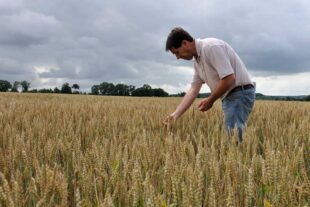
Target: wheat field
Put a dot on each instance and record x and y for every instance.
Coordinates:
(78, 150)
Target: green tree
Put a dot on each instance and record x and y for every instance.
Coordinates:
(56, 90)
(145, 90)
(131, 88)
(66, 88)
(103, 88)
(33, 91)
(307, 98)
(25, 85)
(5, 85)
(46, 90)
(95, 89)
(76, 88)
(147, 87)
(15, 87)
(122, 90)
(106, 88)
(181, 94)
(159, 92)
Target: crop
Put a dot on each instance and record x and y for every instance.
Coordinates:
(75, 150)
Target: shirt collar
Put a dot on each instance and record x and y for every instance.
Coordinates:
(198, 49)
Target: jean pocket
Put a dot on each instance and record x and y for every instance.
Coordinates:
(249, 100)
(233, 96)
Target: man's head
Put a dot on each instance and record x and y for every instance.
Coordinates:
(181, 44)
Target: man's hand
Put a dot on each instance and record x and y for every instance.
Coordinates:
(224, 84)
(169, 120)
(205, 104)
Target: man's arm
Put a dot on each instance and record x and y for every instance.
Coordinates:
(186, 102)
(221, 88)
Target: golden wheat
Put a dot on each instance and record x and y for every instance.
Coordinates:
(74, 150)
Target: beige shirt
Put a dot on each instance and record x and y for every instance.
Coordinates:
(216, 60)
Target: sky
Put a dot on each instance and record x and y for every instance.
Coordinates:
(89, 42)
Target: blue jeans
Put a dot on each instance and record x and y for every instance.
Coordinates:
(237, 107)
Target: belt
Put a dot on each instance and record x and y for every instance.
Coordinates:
(239, 88)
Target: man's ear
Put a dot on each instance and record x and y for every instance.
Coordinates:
(185, 43)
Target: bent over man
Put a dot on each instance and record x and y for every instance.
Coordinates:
(220, 67)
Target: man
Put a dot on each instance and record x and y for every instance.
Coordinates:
(219, 66)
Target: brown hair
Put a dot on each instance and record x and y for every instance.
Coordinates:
(175, 38)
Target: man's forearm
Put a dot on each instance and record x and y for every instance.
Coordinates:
(222, 87)
(187, 101)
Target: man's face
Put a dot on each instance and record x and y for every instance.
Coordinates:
(183, 51)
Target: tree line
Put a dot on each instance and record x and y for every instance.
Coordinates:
(111, 89)
(7, 86)
(104, 88)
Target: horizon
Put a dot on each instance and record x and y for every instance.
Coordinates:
(88, 90)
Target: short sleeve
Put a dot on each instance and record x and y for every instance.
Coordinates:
(219, 60)
(196, 79)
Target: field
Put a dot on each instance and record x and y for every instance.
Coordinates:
(75, 150)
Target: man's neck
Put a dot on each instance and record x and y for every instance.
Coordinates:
(194, 49)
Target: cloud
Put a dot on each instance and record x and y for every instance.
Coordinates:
(9, 66)
(282, 84)
(120, 41)
(26, 28)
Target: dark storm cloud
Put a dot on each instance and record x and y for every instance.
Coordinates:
(91, 41)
